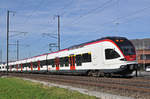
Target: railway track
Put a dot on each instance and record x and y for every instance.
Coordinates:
(123, 82)
(133, 85)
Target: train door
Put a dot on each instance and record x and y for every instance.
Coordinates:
(21, 68)
(27, 65)
(72, 62)
(57, 63)
(17, 67)
(38, 65)
(31, 65)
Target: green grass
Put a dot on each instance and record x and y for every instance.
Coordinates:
(15, 88)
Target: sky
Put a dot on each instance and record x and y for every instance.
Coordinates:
(34, 23)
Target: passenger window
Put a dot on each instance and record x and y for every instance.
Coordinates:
(26, 65)
(19, 66)
(78, 60)
(66, 61)
(86, 57)
(111, 54)
(23, 65)
(43, 63)
(53, 62)
(29, 65)
(35, 64)
(49, 62)
(61, 60)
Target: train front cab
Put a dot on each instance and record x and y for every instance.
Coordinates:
(120, 57)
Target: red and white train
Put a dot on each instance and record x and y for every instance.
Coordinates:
(109, 55)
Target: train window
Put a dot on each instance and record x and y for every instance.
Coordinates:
(86, 57)
(66, 59)
(23, 65)
(0, 67)
(52, 62)
(61, 60)
(35, 64)
(43, 63)
(28, 64)
(3, 67)
(111, 54)
(49, 62)
(78, 60)
(19, 66)
(71, 60)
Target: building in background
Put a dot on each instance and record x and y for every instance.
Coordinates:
(141, 44)
(143, 51)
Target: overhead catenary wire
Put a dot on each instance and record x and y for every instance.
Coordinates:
(60, 14)
(91, 11)
(34, 11)
(133, 13)
(121, 18)
(66, 6)
(102, 7)
(88, 11)
(117, 19)
(124, 17)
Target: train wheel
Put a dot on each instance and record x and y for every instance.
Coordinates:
(108, 75)
(90, 73)
(100, 74)
(95, 73)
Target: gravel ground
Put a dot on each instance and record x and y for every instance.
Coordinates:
(101, 95)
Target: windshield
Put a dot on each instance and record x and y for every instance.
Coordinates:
(126, 46)
(128, 50)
